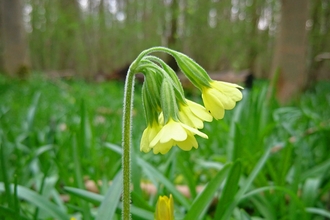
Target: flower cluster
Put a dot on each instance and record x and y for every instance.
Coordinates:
(173, 120)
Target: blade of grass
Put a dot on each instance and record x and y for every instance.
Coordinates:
(318, 211)
(10, 214)
(85, 195)
(244, 215)
(32, 111)
(292, 194)
(229, 191)
(96, 198)
(264, 206)
(204, 199)
(155, 174)
(39, 201)
(316, 170)
(186, 171)
(4, 175)
(85, 137)
(16, 202)
(247, 184)
(111, 199)
(79, 178)
(309, 195)
(36, 212)
(253, 175)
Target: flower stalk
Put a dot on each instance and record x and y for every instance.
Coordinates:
(126, 141)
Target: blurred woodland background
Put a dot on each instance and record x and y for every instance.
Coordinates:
(95, 39)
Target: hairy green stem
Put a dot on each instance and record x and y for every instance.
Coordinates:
(127, 130)
(126, 139)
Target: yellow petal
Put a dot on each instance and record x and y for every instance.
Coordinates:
(171, 131)
(144, 144)
(189, 118)
(163, 148)
(195, 131)
(229, 89)
(189, 143)
(213, 105)
(148, 135)
(199, 111)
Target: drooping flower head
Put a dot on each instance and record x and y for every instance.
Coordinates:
(173, 120)
(174, 127)
(217, 96)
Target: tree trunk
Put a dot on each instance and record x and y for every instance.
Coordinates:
(173, 34)
(290, 51)
(14, 51)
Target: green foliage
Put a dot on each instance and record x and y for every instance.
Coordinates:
(262, 161)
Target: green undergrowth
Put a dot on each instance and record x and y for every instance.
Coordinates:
(262, 161)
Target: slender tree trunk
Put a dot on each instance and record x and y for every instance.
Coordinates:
(14, 51)
(290, 50)
(69, 13)
(253, 50)
(319, 40)
(173, 34)
(1, 37)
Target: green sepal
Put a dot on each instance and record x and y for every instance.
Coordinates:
(153, 81)
(159, 66)
(171, 73)
(151, 95)
(168, 101)
(147, 106)
(193, 71)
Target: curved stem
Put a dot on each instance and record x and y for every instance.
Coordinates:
(126, 141)
(127, 130)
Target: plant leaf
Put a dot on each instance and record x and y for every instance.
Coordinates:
(204, 199)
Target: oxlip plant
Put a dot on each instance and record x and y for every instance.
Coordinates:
(172, 120)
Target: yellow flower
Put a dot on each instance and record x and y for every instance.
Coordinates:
(220, 96)
(165, 208)
(175, 133)
(148, 135)
(193, 114)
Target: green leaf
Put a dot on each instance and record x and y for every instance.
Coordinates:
(84, 194)
(294, 198)
(187, 172)
(316, 170)
(4, 175)
(253, 175)
(111, 200)
(79, 177)
(32, 111)
(309, 191)
(155, 174)
(318, 211)
(229, 191)
(39, 201)
(204, 199)
(10, 214)
(96, 198)
(244, 215)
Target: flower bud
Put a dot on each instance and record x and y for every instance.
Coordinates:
(194, 72)
(168, 101)
(165, 208)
